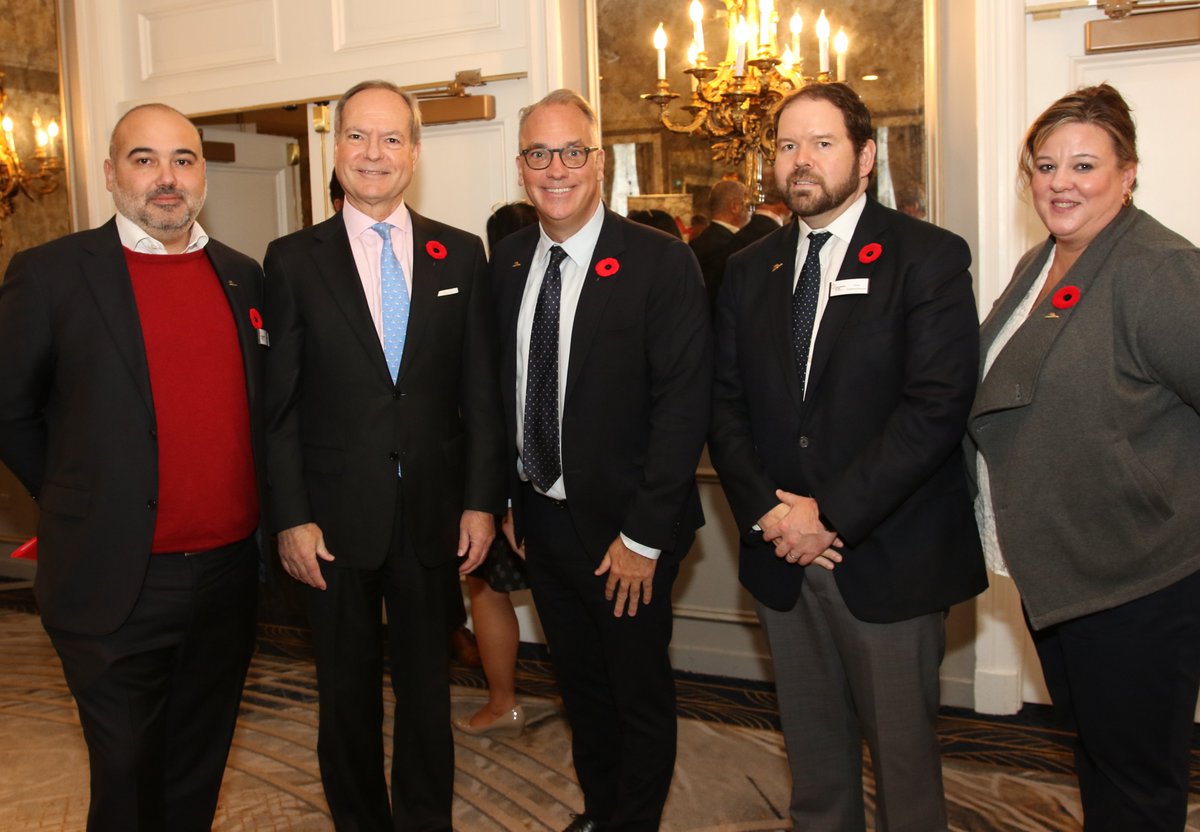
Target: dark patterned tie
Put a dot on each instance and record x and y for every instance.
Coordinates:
(540, 452)
(804, 302)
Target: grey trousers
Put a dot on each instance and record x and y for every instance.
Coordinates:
(840, 680)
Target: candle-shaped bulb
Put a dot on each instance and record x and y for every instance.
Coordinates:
(765, 9)
(823, 41)
(741, 34)
(797, 26)
(43, 138)
(7, 124)
(52, 129)
(660, 43)
(693, 54)
(788, 59)
(840, 44)
(696, 12)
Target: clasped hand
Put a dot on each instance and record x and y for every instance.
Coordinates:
(795, 528)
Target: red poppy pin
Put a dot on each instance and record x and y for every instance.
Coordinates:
(608, 267)
(255, 318)
(435, 250)
(1065, 297)
(870, 253)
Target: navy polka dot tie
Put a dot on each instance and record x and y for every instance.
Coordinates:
(804, 302)
(540, 451)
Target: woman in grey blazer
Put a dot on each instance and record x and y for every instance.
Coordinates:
(1088, 461)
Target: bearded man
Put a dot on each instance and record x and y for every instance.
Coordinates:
(130, 371)
(846, 359)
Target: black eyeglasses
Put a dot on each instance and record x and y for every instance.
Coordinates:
(539, 158)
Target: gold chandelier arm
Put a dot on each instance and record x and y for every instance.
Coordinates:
(690, 127)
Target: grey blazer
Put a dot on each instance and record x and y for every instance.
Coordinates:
(1088, 422)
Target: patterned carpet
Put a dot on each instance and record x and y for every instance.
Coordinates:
(731, 776)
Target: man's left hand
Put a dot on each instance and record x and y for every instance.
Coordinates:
(475, 533)
(630, 577)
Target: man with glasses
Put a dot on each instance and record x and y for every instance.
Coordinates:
(606, 369)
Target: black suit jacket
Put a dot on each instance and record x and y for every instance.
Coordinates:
(337, 424)
(877, 440)
(758, 227)
(77, 421)
(712, 247)
(638, 382)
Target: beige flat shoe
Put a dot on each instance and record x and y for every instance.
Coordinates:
(510, 724)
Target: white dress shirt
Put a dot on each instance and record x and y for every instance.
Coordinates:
(832, 255)
(135, 238)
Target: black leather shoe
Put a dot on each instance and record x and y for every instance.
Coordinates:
(582, 823)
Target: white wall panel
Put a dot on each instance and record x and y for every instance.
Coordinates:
(358, 23)
(205, 36)
(460, 175)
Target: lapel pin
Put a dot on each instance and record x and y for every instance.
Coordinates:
(777, 267)
(231, 283)
(1052, 315)
(516, 264)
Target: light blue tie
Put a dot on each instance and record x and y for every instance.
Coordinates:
(395, 300)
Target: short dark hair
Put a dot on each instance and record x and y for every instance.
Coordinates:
(336, 191)
(507, 219)
(842, 96)
(1100, 105)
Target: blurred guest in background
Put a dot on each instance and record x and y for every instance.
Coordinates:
(1086, 432)
(769, 215)
(729, 206)
(658, 218)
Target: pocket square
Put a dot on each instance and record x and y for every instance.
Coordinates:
(453, 290)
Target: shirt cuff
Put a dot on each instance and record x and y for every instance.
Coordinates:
(644, 551)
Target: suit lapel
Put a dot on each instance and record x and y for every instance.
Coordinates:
(425, 285)
(335, 261)
(781, 273)
(514, 275)
(230, 277)
(871, 228)
(1012, 380)
(594, 297)
(107, 275)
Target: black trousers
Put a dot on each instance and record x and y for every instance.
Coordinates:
(158, 698)
(615, 673)
(1126, 680)
(347, 627)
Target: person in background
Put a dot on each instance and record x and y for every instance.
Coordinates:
(729, 208)
(337, 196)
(769, 215)
(130, 407)
(1084, 435)
(503, 572)
(657, 218)
(605, 373)
(841, 456)
(385, 458)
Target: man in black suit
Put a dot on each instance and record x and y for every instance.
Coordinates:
(606, 372)
(769, 215)
(385, 443)
(847, 347)
(130, 369)
(729, 209)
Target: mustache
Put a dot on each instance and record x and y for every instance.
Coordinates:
(166, 190)
(799, 175)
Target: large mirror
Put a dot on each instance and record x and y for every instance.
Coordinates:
(885, 62)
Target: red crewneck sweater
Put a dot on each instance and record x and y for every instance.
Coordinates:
(206, 481)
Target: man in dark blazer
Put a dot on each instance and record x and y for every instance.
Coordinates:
(130, 371)
(606, 371)
(729, 210)
(385, 467)
(768, 216)
(845, 370)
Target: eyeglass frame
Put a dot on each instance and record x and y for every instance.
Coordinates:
(587, 154)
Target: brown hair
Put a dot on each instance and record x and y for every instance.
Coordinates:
(414, 119)
(1100, 105)
(854, 111)
(566, 97)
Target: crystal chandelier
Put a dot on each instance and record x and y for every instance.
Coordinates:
(733, 102)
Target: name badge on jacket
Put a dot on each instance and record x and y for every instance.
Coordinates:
(853, 286)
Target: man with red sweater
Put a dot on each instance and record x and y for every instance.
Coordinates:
(130, 365)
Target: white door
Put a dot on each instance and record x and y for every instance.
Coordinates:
(253, 199)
